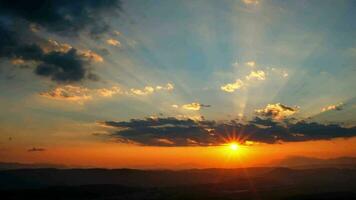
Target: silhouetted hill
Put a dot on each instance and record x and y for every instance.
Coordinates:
(207, 184)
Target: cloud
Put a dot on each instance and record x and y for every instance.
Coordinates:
(69, 93)
(194, 106)
(231, 87)
(172, 131)
(62, 16)
(254, 75)
(20, 22)
(108, 92)
(58, 62)
(113, 42)
(276, 111)
(337, 107)
(147, 90)
(258, 75)
(79, 94)
(35, 149)
(250, 63)
(150, 89)
(251, 2)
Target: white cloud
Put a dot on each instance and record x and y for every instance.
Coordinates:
(258, 75)
(151, 89)
(231, 87)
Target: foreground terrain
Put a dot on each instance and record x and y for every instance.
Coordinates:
(251, 183)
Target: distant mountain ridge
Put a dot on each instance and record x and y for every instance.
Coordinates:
(310, 162)
(14, 165)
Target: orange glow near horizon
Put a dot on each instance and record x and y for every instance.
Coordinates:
(114, 155)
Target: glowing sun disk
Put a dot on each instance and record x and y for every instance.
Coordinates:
(234, 146)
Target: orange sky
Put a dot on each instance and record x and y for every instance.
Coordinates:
(113, 155)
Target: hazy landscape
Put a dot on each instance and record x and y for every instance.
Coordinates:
(333, 179)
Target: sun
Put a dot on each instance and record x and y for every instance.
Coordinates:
(234, 146)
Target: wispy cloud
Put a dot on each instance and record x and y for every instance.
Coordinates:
(79, 94)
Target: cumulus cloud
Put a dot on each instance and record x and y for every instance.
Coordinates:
(338, 106)
(172, 131)
(231, 87)
(21, 20)
(253, 75)
(258, 75)
(113, 42)
(58, 62)
(276, 111)
(194, 106)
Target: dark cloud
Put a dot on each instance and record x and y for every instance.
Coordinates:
(60, 66)
(62, 16)
(185, 132)
(35, 149)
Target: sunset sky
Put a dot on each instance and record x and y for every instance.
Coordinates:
(168, 83)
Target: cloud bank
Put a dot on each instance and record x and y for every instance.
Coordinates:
(172, 131)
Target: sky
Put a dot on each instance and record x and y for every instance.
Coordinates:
(168, 83)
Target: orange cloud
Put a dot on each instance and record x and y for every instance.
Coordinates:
(113, 42)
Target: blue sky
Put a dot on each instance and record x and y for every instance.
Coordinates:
(300, 54)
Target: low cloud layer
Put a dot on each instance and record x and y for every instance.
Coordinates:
(186, 132)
